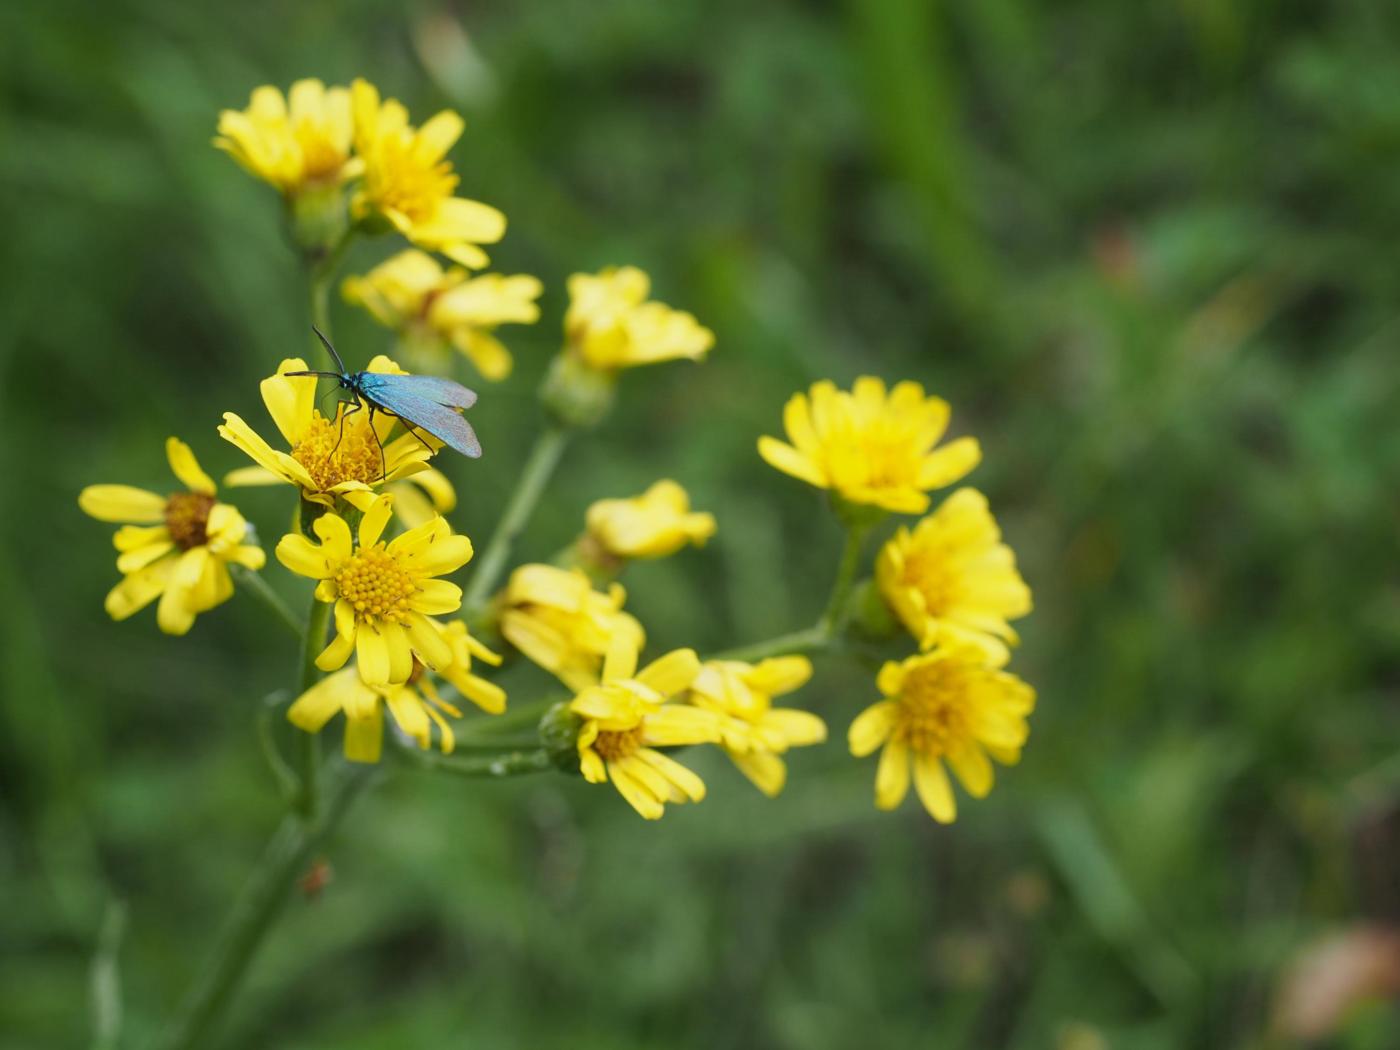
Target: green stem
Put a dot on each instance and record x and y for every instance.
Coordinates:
(845, 577)
(501, 764)
(287, 855)
(821, 635)
(322, 273)
(544, 457)
(260, 589)
(809, 640)
(310, 743)
(524, 716)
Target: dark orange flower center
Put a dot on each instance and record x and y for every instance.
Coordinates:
(618, 744)
(187, 518)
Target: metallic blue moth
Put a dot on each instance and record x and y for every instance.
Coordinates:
(426, 402)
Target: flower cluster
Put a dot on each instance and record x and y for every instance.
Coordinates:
(950, 581)
(389, 630)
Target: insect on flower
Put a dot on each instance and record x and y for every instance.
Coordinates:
(419, 402)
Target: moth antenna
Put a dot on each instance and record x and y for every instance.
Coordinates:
(327, 344)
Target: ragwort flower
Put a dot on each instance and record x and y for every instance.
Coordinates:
(433, 309)
(955, 705)
(951, 578)
(383, 592)
(176, 548)
(626, 717)
(408, 182)
(556, 618)
(754, 732)
(293, 143)
(415, 705)
(610, 325)
(869, 447)
(346, 456)
(656, 523)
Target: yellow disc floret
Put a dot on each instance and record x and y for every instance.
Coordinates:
(376, 585)
(337, 452)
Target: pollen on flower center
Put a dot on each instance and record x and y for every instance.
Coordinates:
(376, 585)
(613, 745)
(187, 518)
(343, 451)
(933, 716)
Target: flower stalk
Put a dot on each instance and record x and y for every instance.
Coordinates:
(539, 468)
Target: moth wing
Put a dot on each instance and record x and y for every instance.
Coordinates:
(444, 423)
(429, 388)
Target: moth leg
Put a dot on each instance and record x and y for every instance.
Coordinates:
(342, 414)
(383, 465)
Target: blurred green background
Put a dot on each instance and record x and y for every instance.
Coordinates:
(1149, 254)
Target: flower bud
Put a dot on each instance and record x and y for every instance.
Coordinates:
(575, 394)
(559, 736)
(318, 217)
(869, 615)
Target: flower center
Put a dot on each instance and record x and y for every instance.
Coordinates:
(376, 585)
(614, 745)
(928, 571)
(346, 450)
(933, 709)
(187, 518)
(398, 181)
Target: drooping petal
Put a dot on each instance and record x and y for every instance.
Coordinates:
(935, 792)
(764, 769)
(892, 775)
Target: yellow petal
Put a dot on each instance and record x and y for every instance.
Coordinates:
(186, 467)
(872, 727)
(139, 589)
(121, 503)
(375, 519)
(690, 785)
(364, 738)
(784, 457)
(766, 770)
(892, 775)
(931, 782)
(948, 464)
(672, 673)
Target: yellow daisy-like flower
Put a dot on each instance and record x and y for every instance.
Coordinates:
(656, 523)
(176, 548)
(951, 579)
(345, 456)
(408, 182)
(953, 704)
(556, 618)
(295, 142)
(869, 447)
(433, 309)
(422, 496)
(415, 705)
(755, 733)
(626, 718)
(383, 593)
(610, 325)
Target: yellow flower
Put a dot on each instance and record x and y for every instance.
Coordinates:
(657, 523)
(344, 456)
(176, 548)
(421, 497)
(294, 142)
(610, 324)
(755, 733)
(432, 308)
(952, 579)
(383, 593)
(953, 704)
(556, 618)
(415, 705)
(871, 448)
(626, 718)
(407, 181)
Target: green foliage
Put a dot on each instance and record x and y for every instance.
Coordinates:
(1147, 252)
